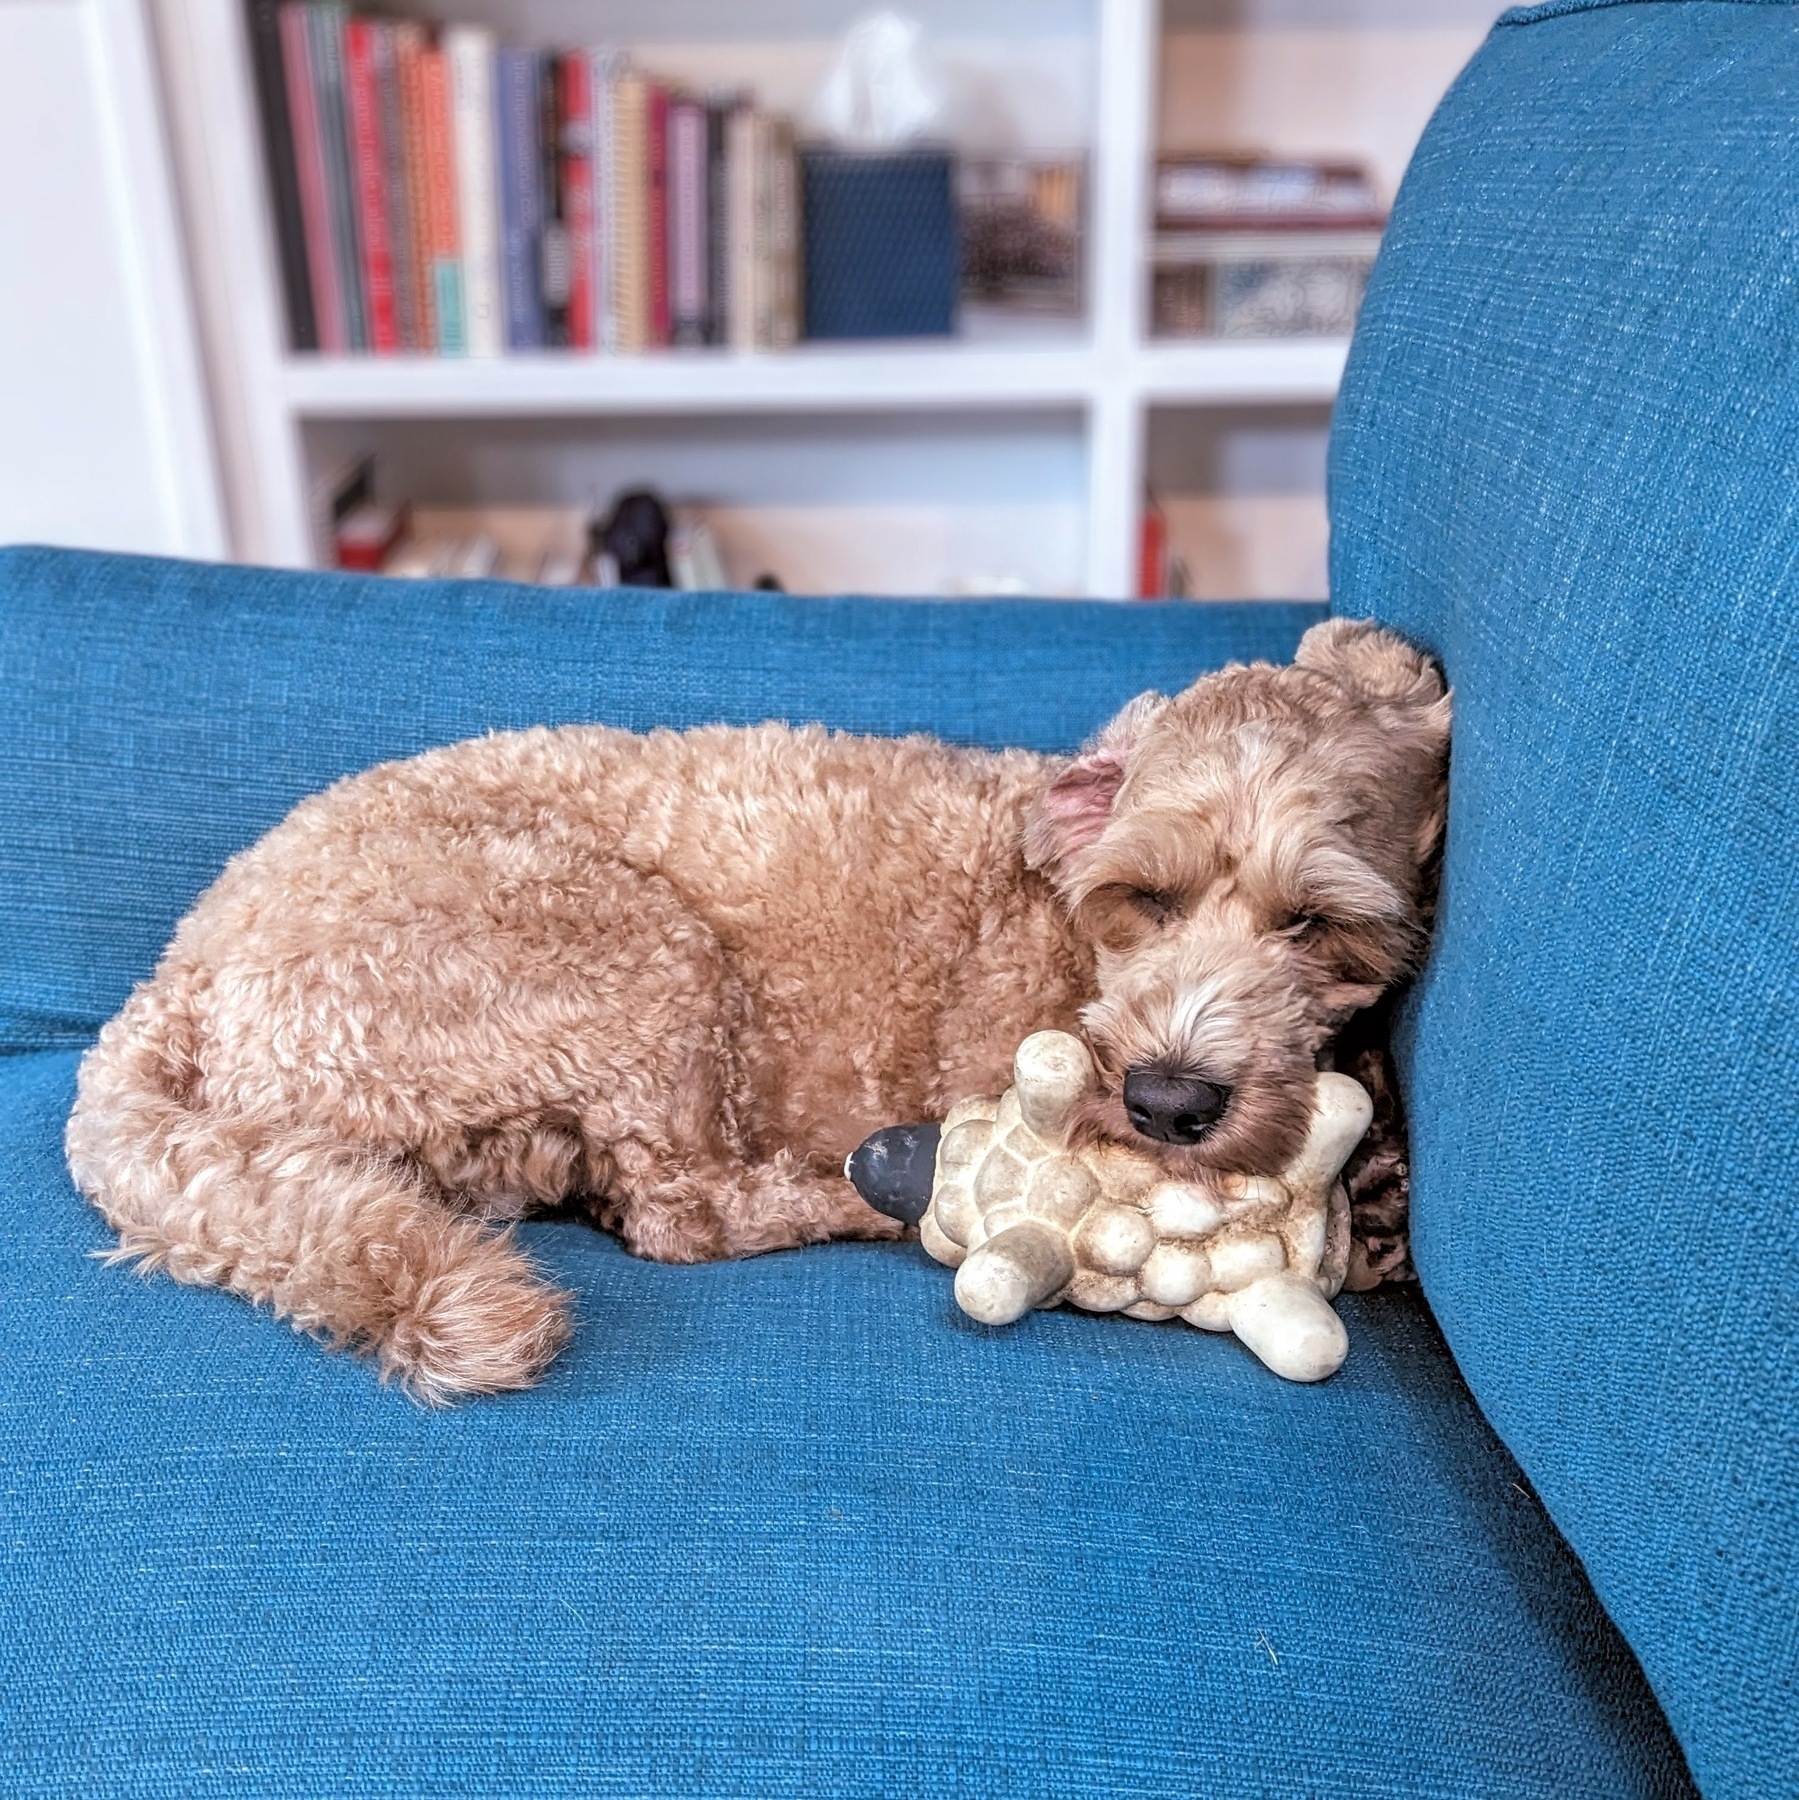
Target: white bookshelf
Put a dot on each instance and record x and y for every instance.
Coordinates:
(1112, 79)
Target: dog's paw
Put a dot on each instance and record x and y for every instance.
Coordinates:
(485, 1324)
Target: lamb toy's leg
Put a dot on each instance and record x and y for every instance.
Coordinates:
(1284, 1318)
(1013, 1272)
(1340, 1117)
(1290, 1326)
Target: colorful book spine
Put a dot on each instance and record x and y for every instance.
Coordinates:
(326, 39)
(412, 178)
(740, 173)
(554, 273)
(313, 180)
(521, 201)
(718, 223)
(687, 222)
(401, 200)
(470, 51)
(656, 212)
(762, 229)
(443, 237)
(783, 237)
(368, 152)
(575, 73)
(281, 167)
(603, 69)
(630, 191)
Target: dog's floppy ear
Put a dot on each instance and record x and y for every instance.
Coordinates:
(1378, 667)
(1072, 810)
(1404, 687)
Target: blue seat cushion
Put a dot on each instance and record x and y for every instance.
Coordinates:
(777, 1527)
(1567, 456)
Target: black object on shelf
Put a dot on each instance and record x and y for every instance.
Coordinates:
(636, 538)
(882, 253)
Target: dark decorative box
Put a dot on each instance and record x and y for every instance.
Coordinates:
(882, 256)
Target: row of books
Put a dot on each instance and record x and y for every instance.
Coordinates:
(1250, 246)
(438, 192)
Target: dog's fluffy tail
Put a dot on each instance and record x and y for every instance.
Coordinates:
(344, 1243)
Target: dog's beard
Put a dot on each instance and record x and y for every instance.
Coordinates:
(1259, 1133)
(1257, 1037)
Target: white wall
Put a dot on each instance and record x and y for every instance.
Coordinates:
(104, 439)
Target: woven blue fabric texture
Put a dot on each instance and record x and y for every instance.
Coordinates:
(163, 715)
(1567, 456)
(786, 1527)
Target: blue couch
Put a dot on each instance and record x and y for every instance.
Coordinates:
(795, 1525)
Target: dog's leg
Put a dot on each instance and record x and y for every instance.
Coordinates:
(343, 1243)
(781, 1204)
(700, 1208)
(658, 1053)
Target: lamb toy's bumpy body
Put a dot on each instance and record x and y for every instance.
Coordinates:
(1027, 1221)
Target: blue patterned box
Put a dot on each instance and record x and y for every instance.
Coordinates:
(882, 257)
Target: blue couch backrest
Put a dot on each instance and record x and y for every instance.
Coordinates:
(1567, 456)
(163, 715)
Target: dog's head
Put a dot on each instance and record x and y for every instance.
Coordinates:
(1252, 861)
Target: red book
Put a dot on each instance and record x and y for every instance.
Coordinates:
(1152, 555)
(315, 202)
(577, 193)
(656, 167)
(368, 165)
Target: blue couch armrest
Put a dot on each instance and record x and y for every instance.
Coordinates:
(1565, 456)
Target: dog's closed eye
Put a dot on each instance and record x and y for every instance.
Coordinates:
(1119, 915)
(1304, 925)
(1155, 904)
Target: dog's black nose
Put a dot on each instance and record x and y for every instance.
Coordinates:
(1172, 1108)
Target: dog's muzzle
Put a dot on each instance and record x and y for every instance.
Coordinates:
(1170, 1106)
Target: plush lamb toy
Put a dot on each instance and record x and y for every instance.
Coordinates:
(1026, 1221)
